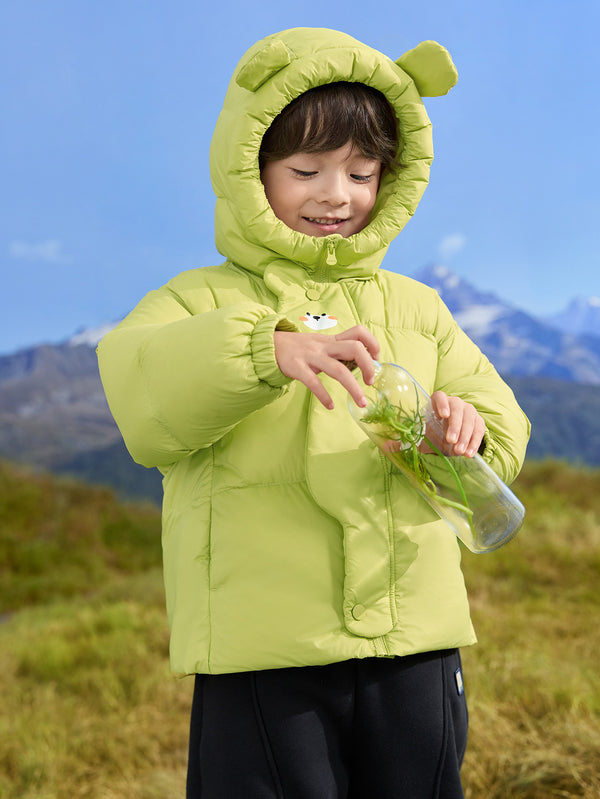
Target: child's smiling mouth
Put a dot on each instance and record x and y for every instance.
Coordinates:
(324, 220)
(323, 225)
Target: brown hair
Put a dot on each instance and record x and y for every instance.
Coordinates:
(328, 117)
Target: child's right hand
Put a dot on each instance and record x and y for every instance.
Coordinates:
(302, 356)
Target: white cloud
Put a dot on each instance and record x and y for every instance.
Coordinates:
(451, 245)
(49, 250)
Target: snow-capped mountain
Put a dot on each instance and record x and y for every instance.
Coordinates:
(517, 343)
(581, 317)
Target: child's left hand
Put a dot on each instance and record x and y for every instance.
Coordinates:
(463, 426)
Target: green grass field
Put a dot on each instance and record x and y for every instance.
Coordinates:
(91, 710)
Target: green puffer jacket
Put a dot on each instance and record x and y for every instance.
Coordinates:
(288, 539)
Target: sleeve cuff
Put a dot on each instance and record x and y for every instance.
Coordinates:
(263, 349)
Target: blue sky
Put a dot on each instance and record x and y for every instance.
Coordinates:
(108, 110)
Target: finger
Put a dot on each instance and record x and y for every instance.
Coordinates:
(313, 384)
(470, 422)
(476, 438)
(353, 353)
(336, 370)
(324, 363)
(361, 360)
(440, 404)
(370, 342)
(366, 364)
(455, 421)
(360, 333)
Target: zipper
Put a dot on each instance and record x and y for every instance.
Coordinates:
(331, 260)
(327, 259)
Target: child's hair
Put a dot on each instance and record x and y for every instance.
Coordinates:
(328, 117)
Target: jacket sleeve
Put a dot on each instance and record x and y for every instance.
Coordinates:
(177, 382)
(464, 371)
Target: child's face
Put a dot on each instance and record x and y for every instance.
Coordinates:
(323, 193)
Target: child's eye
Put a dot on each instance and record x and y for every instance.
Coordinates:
(300, 173)
(362, 178)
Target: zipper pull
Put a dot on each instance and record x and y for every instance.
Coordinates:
(331, 260)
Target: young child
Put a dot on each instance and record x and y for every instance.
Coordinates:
(317, 598)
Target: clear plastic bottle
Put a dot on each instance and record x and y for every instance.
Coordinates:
(465, 492)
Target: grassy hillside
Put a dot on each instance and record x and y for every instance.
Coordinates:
(573, 434)
(91, 711)
(534, 692)
(60, 539)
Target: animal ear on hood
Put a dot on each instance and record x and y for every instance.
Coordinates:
(431, 68)
(269, 60)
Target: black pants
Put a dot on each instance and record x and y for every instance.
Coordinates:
(379, 728)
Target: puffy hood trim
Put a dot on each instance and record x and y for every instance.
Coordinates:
(269, 76)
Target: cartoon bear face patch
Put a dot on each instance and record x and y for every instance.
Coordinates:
(319, 321)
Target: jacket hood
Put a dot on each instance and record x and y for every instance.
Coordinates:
(268, 77)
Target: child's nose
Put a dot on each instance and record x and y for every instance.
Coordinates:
(335, 191)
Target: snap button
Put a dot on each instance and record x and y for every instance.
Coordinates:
(357, 611)
(313, 294)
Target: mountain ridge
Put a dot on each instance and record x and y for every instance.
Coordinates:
(516, 342)
(54, 415)
(581, 317)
